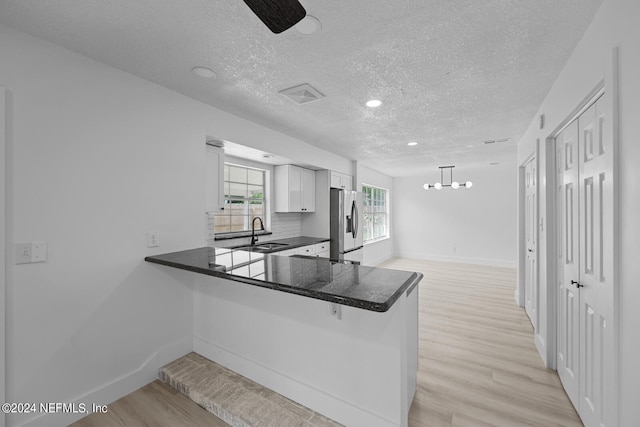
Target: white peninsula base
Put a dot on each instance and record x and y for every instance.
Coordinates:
(358, 368)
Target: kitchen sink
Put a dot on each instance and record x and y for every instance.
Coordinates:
(262, 247)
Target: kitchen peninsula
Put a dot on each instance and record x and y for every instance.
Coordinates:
(337, 337)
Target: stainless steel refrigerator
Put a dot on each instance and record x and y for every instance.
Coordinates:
(346, 225)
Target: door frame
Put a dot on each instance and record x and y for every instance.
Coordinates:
(3, 247)
(553, 269)
(522, 247)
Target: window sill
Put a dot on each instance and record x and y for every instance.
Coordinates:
(239, 234)
(378, 240)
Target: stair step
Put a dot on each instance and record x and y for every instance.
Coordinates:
(236, 400)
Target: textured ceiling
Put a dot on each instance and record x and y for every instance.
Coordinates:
(450, 73)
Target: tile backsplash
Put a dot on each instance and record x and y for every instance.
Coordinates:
(283, 225)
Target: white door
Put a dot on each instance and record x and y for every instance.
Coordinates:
(308, 178)
(295, 189)
(569, 298)
(531, 239)
(585, 342)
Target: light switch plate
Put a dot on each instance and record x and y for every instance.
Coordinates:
(23, 253)
(27, 253)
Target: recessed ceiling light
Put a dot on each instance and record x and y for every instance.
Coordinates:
(374, 103)
(204, 72)
(308, 25)
(493, 163)
(412, 143)
(267, 156)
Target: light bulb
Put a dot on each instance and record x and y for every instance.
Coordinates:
(455, 185)
(468, 184)
(437, 186)
(374, 103)
(426, 186)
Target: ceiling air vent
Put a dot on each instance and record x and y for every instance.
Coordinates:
(302, 94)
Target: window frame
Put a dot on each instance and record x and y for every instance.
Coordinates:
(247, 202)
(365, 211)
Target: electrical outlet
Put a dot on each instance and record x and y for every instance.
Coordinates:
(335, 311)
(153, 239)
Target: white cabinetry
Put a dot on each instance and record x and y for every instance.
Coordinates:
(307, 250)
(341, 180)
(295, 189)
(322, 249)
(319, 250)
(214, 173)
(288, 252)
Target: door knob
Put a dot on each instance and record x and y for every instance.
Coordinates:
(530, 250)
(578, 285)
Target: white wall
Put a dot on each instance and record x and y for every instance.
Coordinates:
(377, 252)
(615, 25)
(99, 157)
(479, 222)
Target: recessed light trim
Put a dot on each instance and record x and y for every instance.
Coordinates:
(373, 103)
(203, 72)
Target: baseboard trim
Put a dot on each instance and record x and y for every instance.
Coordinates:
(541, 347)
(461, 260)
(117, 388)
(302, 393)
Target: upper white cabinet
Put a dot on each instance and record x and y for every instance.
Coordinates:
(341, 180)
(214, 167)
(295, 189)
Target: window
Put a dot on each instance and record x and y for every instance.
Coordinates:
(244, 199)
(375, 213)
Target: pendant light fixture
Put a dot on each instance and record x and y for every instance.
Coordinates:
(453, 184)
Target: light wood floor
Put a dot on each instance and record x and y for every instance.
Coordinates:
(478, 365)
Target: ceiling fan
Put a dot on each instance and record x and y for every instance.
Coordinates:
(277, 15)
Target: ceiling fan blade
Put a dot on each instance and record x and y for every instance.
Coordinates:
(278, 15)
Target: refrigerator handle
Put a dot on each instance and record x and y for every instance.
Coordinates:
(354, 219)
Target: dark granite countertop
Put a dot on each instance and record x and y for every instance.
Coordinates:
(368, 288)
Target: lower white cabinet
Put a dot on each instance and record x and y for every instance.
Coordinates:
(322, 249)
(319, 250)
(307, 250)
(324, 254)
(288, 252)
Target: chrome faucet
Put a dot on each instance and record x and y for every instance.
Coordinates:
(254, 239)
